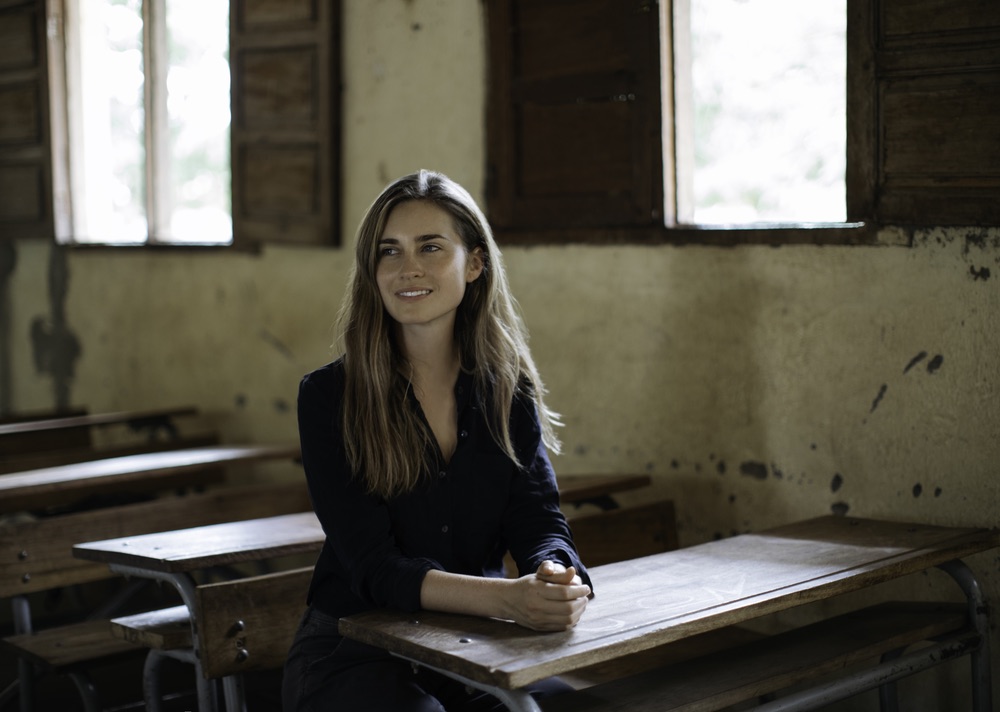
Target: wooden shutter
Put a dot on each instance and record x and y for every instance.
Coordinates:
(25, 149)
(285, 61)
(574, 114)
(934, 104)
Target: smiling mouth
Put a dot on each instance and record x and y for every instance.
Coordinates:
(414, 293)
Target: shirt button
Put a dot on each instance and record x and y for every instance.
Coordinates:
(444, 529)
(442, 474)
(464, 434)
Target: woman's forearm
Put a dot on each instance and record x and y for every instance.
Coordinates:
(551, 599)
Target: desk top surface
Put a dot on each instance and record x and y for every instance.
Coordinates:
(212, 545)
(153, 470)
(650, 601)
(133, 417)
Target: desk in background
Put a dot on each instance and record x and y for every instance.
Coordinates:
(64, 484)
(175, 556)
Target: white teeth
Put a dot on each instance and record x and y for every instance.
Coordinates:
(416, 293)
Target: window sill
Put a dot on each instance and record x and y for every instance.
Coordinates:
(716, 236)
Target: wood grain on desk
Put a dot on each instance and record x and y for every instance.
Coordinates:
(213, 545)
(148, 471)
(658, 599)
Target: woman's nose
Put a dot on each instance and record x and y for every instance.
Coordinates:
(411, 265)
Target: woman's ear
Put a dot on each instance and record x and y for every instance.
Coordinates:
(474, 266)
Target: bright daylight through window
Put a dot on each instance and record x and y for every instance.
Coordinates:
(147, 108)
(760, 111)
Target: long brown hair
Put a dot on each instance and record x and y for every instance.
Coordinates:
(385, 440)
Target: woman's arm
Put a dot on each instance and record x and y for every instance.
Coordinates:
(551, 599)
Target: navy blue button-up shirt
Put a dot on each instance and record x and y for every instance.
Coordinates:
(462, 520)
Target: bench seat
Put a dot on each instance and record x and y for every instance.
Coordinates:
(67, 647)
(775, 663)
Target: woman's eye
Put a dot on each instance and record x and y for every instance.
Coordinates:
(387, 251)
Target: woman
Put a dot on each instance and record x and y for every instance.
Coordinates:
(424, 448)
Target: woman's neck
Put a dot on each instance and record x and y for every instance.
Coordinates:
(434, 362)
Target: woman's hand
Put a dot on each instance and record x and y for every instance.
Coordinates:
(551, 599)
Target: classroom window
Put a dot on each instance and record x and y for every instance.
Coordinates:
(146, 97)
(759, 111)
(650, 120)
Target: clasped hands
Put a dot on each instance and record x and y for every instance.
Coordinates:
(551, 599)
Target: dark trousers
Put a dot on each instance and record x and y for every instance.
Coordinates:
(328, 673)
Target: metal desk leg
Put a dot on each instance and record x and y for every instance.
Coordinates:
(185, 586)
(982, 690)
(235, 694)
(888, 694)
(21, 611)
(514, 700)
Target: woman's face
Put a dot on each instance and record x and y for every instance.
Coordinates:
(423, 266)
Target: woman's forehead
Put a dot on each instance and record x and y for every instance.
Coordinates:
(418, 218)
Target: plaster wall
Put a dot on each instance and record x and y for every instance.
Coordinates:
(757, 385)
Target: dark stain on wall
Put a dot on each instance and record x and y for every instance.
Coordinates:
(935, 363)
(918, 489)
(836, 483)
(721, 467)
(757, 470)
(983, 273)
(54, 346)
(914, 361)
(878, 397)
(840, 508)
(268, 338)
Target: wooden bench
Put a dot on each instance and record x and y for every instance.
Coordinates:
(36, 556)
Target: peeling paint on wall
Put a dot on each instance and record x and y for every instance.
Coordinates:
(54, 346)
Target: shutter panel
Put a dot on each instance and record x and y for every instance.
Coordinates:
(285, 63)
(25, 150)
(574, 115)
(937, 94)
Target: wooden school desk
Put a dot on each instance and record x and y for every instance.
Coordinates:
(652, 601)
(63, 484)
(175, 556)
(136, 419)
